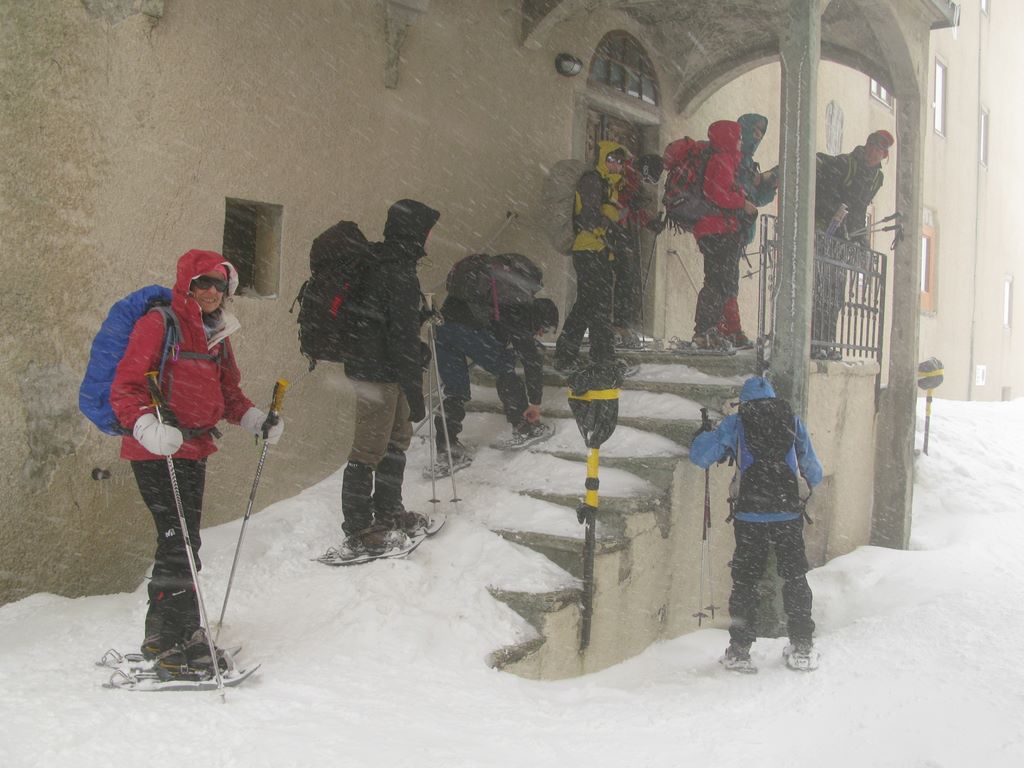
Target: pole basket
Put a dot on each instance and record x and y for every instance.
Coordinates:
(930, 374)
(594, 400)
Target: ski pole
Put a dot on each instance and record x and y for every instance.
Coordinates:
(272, 419)
(705, 543)
(510, 216)
(644, 277)
(436, 374)
(162, 412)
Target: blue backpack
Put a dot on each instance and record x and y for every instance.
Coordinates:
(108, 348)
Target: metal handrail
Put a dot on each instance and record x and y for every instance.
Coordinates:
(849, 284)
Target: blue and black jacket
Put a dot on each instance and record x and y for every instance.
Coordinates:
(768, 483)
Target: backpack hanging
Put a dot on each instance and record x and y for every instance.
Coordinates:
(488, 283)
(686, 161)
(766, 457)
(108, 347)
(558, 202)
(339, 262)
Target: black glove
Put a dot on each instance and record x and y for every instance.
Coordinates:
(417, 410)
(424, 356)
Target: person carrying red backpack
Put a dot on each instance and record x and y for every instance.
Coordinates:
(719, 234)
(200, 385)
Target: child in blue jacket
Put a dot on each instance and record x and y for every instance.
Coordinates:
(772, 449)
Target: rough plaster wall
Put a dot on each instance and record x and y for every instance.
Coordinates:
(50, 175)
(841, 423)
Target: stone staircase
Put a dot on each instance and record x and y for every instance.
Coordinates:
(646, 567)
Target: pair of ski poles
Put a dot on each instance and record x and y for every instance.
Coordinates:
(165, 416)
(435, 388)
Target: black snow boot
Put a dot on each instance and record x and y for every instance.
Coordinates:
(356, 501)
(387, 487)
(454, 415)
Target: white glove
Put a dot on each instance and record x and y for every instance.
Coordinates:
(161, 439)
(254, 419)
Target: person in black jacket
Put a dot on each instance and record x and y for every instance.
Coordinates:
(851, 180)
(490, 319)
(386, 371)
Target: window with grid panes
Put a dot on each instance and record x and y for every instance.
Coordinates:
(621, 64)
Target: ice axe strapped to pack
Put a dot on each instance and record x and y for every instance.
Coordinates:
(594, 400)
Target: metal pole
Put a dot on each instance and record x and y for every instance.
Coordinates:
(272, 416)
(154, 388)
(588, 513)
(436, 371)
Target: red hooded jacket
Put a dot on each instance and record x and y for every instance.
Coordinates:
(199, 392)
(720, 186)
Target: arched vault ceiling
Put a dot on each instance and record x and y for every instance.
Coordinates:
(707, 43)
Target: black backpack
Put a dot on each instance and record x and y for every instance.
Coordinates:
(768, 484)
(340, 262)
(488, 283)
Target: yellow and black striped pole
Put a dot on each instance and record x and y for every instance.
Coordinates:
(596, 411)
(929, 377)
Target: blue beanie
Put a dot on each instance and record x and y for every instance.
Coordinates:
(756, 388)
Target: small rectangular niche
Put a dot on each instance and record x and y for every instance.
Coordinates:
(252, 242)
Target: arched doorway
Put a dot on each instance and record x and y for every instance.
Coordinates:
(623, 105)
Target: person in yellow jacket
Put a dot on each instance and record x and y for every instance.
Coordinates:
(596, 221)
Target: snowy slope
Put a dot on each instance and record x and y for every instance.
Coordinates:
(382, 665)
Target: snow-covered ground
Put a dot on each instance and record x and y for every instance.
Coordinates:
(383, 665)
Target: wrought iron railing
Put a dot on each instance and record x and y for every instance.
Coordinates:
(848, 311)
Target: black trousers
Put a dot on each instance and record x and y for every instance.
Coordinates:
(829, 300)
(173, 608)
(628, 283)
(592, 309)
(721, 278)
(748, 565)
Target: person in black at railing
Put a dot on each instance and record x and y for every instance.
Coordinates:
(850, 180)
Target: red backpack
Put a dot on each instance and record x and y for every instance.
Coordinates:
(686, 161)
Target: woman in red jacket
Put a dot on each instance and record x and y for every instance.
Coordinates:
(200, 385)
(718, 235)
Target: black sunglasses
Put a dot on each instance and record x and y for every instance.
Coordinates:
(204, 282)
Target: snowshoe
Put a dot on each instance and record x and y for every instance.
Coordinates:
(415, 523)
(137, 662)
(190, 660)
(801, 656)
(737, 659)
(354, 550)
(524, 437)
(711, 343)
(739, 340)
(441, 467)
(157, 679)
